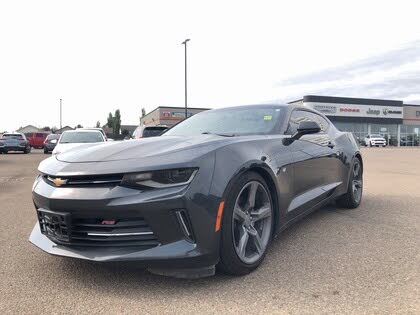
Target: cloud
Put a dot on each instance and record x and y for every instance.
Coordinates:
(391, 75)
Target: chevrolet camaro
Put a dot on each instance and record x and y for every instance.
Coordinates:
(211, 192)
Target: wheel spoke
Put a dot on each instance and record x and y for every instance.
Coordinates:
(357, 183)
(354, 189)
(261, 213)
(258, 243)
(239, 214)
(252, 194)
(356, 170)
(243, 241)
(252, 231)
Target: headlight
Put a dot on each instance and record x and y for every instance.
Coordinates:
(37, 178)
(160, 179)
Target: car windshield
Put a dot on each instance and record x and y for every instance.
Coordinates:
(231, 121)
(81, 137)
(153, 131)
(51, 137)
(12, 136)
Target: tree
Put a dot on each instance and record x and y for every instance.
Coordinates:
(110, 121)
(143, 112)
(79, 126)
(98, 124)
(117, 122)
(46, 128)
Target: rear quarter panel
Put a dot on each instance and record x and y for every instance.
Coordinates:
(348, 149)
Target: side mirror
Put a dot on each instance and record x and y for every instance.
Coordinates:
(306, 128)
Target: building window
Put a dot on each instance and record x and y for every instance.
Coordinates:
(388, 131)
(359, 130)
(410, 135)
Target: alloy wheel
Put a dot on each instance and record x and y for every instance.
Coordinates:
(357, 182)
(252, 222)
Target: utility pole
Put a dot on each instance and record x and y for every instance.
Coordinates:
(186, 94)
(61, 113)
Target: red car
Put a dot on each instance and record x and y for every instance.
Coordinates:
(36, 139)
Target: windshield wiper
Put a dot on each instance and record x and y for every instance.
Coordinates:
(218, 134)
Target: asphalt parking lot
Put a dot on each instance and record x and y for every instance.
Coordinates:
(362, 261)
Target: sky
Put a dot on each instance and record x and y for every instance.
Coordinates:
(99, 56)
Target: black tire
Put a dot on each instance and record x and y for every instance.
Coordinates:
(230, 263)
(45, 151)
(350, 200)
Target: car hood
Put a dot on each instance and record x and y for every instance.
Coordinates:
(142, 148)
(64, 147)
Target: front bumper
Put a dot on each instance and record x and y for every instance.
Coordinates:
(13, 148)
(49, 147)
(179, 254)
(379, 142)
(174, 248)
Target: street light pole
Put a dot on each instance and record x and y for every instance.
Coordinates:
(185, 75)
(61, 111)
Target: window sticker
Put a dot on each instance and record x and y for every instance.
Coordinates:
(268, 117)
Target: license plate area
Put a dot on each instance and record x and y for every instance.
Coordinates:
(55, 225)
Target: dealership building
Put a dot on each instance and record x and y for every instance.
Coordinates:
(399, 123)
(168, 116)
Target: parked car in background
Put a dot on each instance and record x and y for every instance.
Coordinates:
(36, 139)
(148, 131)
(75, 138)
(14, 142)
(375, 140)
(50, 142)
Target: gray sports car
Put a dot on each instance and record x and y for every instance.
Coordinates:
(211, 191)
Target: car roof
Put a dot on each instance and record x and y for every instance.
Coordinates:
(82, 130)
(93, 128)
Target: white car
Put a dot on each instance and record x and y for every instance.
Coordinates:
(77, 138)
(375, 140)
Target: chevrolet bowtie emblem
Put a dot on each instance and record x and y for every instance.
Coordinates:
(58, 181)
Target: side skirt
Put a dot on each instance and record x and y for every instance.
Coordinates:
(293, 220)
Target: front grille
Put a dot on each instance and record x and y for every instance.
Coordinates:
(67, 229)
(97, 180)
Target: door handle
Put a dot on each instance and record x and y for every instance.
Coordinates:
(331, 145)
